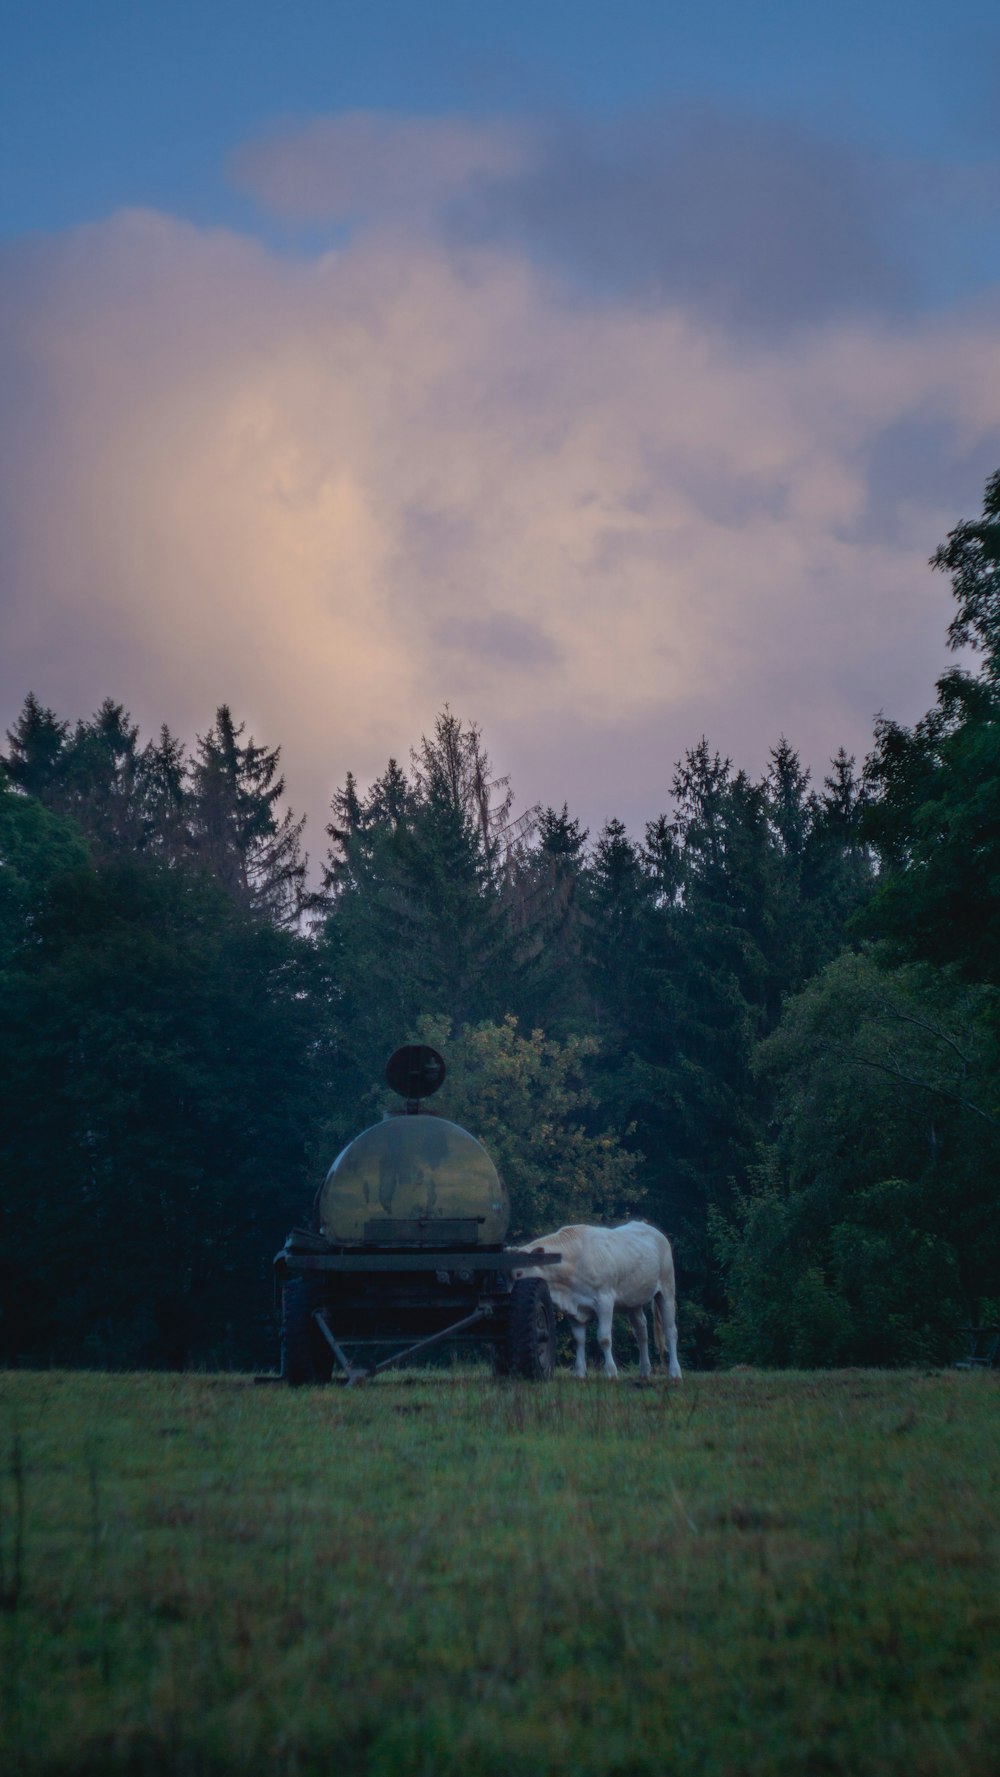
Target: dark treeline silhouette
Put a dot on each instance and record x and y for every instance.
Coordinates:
(770, 1024)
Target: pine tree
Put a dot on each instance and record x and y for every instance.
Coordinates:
(791, 805)
(838, 866)
(617, 904)
(36, 760)
(123, 796)
(545, 895)
(163, 776)
(240, 837)
(103, 779)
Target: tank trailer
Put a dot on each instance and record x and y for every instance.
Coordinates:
(406, 1251)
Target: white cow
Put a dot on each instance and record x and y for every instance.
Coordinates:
(607, 1268)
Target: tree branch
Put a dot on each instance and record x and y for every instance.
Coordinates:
(895, 1072)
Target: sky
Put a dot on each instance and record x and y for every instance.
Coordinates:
(608, 374)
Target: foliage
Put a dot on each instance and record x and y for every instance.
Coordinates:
(161, 1054)
(694, 941)
(36, 847)
(416, 917)
(935, 816)
(875, 1206)
(526, 1099)
(651, 967)
(936, 822)
(876, 1202)
(545, 893)
(236, 830)
(972, 557)
(219, 811)
(861, 1282)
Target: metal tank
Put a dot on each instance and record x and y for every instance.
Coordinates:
(414, 1181)
(406, 1251)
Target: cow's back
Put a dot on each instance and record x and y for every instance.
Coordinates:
(629, 1261)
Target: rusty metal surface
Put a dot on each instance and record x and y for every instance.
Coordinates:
(424, 1231)
(418, 1169)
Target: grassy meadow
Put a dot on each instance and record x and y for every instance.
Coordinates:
(752, 1573)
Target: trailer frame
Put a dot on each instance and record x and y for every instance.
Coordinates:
(337, 1301)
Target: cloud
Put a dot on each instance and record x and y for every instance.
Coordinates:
(364, 164)
(743, 220)
(747, 221)
(339, 491)
(738, 218)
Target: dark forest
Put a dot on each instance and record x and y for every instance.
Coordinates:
(769, 1024)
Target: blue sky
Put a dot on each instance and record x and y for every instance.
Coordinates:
(607, 372)
(106, 104)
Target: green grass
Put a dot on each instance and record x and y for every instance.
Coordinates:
(750, 1574)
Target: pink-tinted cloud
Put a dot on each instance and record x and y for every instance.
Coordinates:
(340, 491)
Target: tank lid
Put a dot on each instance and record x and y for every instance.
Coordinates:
(415, 1071)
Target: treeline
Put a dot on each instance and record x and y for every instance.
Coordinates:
(770, 1024)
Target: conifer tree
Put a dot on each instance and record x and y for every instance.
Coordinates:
(838, 872)
(103, 779)
(123, 796)
(163, 773)
(617, 904)
(37, 748)
(239, 835)
(545, 893)
(418, 913)
(451, 768)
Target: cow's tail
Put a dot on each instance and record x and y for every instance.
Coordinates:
(659, 1327)
(665, 1315)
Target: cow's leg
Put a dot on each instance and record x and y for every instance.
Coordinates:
(605, 1316)
(579, 1328)
(638, 1318)
(663, 1308)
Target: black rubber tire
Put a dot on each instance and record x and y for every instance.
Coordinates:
(531, 1330)
(305, 1355)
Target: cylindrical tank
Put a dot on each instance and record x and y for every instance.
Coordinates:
(414, 1180)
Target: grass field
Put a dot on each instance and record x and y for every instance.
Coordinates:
(751, 1573)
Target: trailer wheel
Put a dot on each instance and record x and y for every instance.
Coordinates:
(305, 1356)
(531, 1330)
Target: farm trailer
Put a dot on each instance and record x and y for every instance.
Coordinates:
(406, 1252)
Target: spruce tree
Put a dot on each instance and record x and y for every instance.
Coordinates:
(838, 872)
(163, 775)
(545, 893)
(103, 779)
(240, 837)
(35, 760)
